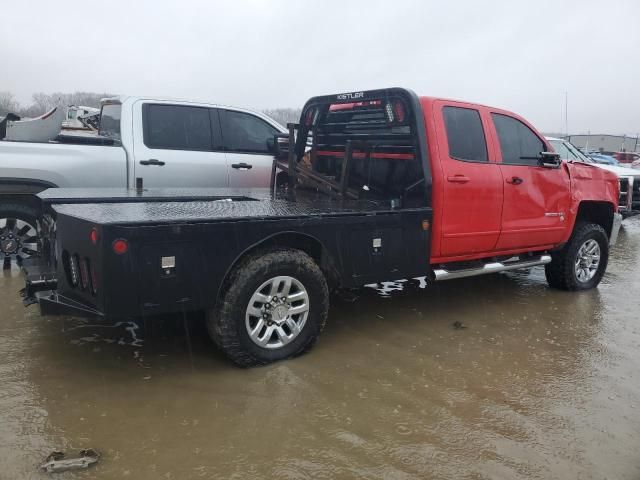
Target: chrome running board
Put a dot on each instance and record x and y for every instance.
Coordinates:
(494, 267)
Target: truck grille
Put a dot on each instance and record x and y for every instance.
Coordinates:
(629, 194)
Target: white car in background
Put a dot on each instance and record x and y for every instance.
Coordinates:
(629, 177)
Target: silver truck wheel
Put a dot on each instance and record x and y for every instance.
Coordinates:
(587, 260)
(581, 263)
(277, 312)
(273, 306)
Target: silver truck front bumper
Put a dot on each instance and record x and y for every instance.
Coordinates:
(615, 229)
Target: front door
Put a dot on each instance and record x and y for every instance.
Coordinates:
(248, 141)
(179, 146)
(536, 198)
(472, 183)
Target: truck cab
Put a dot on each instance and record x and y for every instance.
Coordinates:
(494, 193)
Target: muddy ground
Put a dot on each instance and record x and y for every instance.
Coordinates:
(540, 384)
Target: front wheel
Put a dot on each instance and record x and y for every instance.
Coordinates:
(581, 263)
(274, 307)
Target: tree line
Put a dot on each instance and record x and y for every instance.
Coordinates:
(43, 102)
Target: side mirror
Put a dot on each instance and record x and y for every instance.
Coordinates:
(271, 145)
(279, 145)
(549, 159)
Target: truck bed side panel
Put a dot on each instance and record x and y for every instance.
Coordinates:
(360, 249)
(64, 165)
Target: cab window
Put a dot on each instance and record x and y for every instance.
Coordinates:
(518, 143)
(465, 134)
(243, 132)
(176, 127)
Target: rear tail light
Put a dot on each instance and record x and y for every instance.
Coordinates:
(395, 111)
(79, 272)
(398, 109)
(74, 270)
(311, 117)
(388, 110)
(94, 278)
(84, 274)
(93, 236)
(308, 118)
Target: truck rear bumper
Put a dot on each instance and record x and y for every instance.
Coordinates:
(52, 303)
(40, 288)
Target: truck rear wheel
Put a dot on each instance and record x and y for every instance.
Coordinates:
(274, 307)
(581, 263)
(18, 235)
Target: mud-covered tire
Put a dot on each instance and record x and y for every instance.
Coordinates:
(227, 321)
(20, 212)
(561, 272)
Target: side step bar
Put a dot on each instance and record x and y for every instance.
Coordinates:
(442, 274)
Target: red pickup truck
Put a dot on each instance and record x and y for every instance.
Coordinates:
(380, 185)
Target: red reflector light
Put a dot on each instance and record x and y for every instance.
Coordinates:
(120, 246)
(93, 236)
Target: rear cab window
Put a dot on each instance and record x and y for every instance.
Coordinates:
(110, 121)
(518, 143)
(465, 135)
(177, 127)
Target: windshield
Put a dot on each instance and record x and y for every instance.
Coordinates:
(110, 121)
(569, 152)
(581, 156)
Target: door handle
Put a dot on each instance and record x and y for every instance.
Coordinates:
(458, 178)
(152, 161)
(514, 180)
(242, 166)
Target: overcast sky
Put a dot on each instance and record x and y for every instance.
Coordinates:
(522, 56)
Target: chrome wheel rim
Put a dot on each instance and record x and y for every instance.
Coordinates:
(18, 238)
(587, 261)
(277, 312)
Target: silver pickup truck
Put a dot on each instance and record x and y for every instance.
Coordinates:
(167, 143)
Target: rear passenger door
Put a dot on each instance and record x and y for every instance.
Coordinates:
(248, 141)
(180, 146)
(472, 183)
(536, 198)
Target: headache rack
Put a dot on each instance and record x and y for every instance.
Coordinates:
(358, 145)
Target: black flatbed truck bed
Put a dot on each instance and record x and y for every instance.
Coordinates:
(207, 231)
(164, 206)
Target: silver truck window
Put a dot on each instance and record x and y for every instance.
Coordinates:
(244, 132)
(110, 121)
(176, 127)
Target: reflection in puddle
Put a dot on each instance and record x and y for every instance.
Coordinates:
(131, 328)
